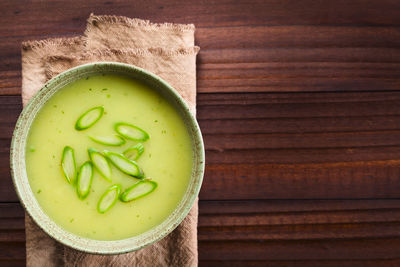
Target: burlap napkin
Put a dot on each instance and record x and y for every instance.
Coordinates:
(165, 49)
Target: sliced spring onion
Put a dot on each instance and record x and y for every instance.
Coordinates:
(134, 152)
(138, 190)
(84, 182)
(88, 118)
(100, 163)
(68, 164)
(130, 131)
(112, 140)
(108, 199)
(124, 164)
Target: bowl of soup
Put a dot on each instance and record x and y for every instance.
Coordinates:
(107, 158)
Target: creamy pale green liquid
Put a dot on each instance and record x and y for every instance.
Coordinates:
(167, 158)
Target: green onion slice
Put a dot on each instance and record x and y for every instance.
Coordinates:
(138, 190)
(100, 163)
(68, 164)
(89, 118)
(131, 132)
(108, 199)
(84, 182)
(134, 152)
(124, 164)
(113, 140)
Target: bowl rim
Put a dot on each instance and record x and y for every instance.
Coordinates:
(26, 195)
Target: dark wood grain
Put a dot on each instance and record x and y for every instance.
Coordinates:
(306, 70)
(299, 105)
(292, 48)
(294, 263)
(311, 250)
(314, 231)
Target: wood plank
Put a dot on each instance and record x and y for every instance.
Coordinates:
(10, 82)
(244, 98)
(223, 13)
(10, 108)
(261, 37)
(298, 125)
(296, 263)
(326, 78)
(274, 252)
(297, 36)
(295, 76)
(302, 156)
(276, 230)
(235, 71)
(12, 251)
(284, 219)
(11, 210)
(271, 70)
(299, 110)
(219, 13)
(374, 179)
(273, 43)
(312, 206)
(298, 220)
(297, 85)
(297, 232)
(227, 43)
(356, 249)
(13, 263)
(299, 55)
(221, 142)
(382, 58)
(11, 234)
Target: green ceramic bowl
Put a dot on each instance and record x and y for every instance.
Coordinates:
(27, 197)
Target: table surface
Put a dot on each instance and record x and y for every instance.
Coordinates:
(299, 104)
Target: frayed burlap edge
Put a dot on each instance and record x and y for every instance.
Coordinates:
(53, 43)
(134, 22)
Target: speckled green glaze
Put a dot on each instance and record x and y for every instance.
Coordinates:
(25, 194)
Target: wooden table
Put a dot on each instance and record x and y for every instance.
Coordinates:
(299, 104)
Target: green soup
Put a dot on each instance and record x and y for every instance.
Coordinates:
(167, 157)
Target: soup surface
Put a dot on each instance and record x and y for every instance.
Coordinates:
(167, 156)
